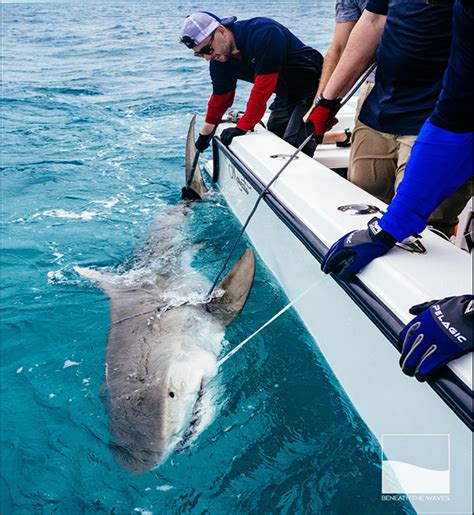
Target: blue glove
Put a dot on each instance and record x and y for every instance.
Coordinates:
(227, 135)
(357, 249)
(441, 332)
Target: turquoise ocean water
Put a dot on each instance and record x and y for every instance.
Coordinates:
(96, 100)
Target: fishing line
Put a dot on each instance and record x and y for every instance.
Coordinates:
(242, 230)
(158, 310)
(274, 317)
(284, 167)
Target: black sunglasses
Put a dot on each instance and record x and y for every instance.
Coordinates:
(206, 50)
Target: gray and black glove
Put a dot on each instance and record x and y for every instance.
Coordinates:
(357, 249)
(441, 332)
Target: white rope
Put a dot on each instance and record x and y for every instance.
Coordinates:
(286, 308)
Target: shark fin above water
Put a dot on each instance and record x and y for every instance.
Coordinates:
(236, 286)
(195, 187)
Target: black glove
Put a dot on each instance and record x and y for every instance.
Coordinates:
(441, 332)
(357, 249)
(227, 135)
(203, 142)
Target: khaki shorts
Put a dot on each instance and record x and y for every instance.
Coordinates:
(377, 164)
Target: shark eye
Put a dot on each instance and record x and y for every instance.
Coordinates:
(172, 395)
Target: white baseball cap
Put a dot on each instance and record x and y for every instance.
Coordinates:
(198, 26)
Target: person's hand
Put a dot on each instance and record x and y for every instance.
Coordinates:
(441, 332)
(203, 142)
(357, 249)
(227, 135)
(322, 118)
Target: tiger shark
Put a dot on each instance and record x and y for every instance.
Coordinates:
(162, 345)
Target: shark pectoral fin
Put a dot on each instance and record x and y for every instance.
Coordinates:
(104, 280)
(194, 179)
(236, 286)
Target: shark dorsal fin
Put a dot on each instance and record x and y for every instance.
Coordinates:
(236, 286)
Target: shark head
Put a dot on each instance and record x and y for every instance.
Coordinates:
(185, 382)
(153, 420)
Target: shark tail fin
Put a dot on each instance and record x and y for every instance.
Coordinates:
(236, 286)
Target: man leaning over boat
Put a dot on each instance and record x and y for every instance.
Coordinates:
(262, 51)
(441, 161)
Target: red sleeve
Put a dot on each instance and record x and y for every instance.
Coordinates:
(218, 105)
(262, 90)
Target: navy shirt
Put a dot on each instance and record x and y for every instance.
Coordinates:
(454, 110)
(411, 60)
(266, 47)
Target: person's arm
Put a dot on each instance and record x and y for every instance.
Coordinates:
(262, 90)
(440, 162)
(358, 55)
(334, 53)
(216, 107)
(442, 158)
(332, 57)
(270, 50)
(207, 128)
(223, 94)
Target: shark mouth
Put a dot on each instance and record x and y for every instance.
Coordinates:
(194, 422)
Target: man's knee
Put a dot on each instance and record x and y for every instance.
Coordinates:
(372, 162)
(375, 176)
